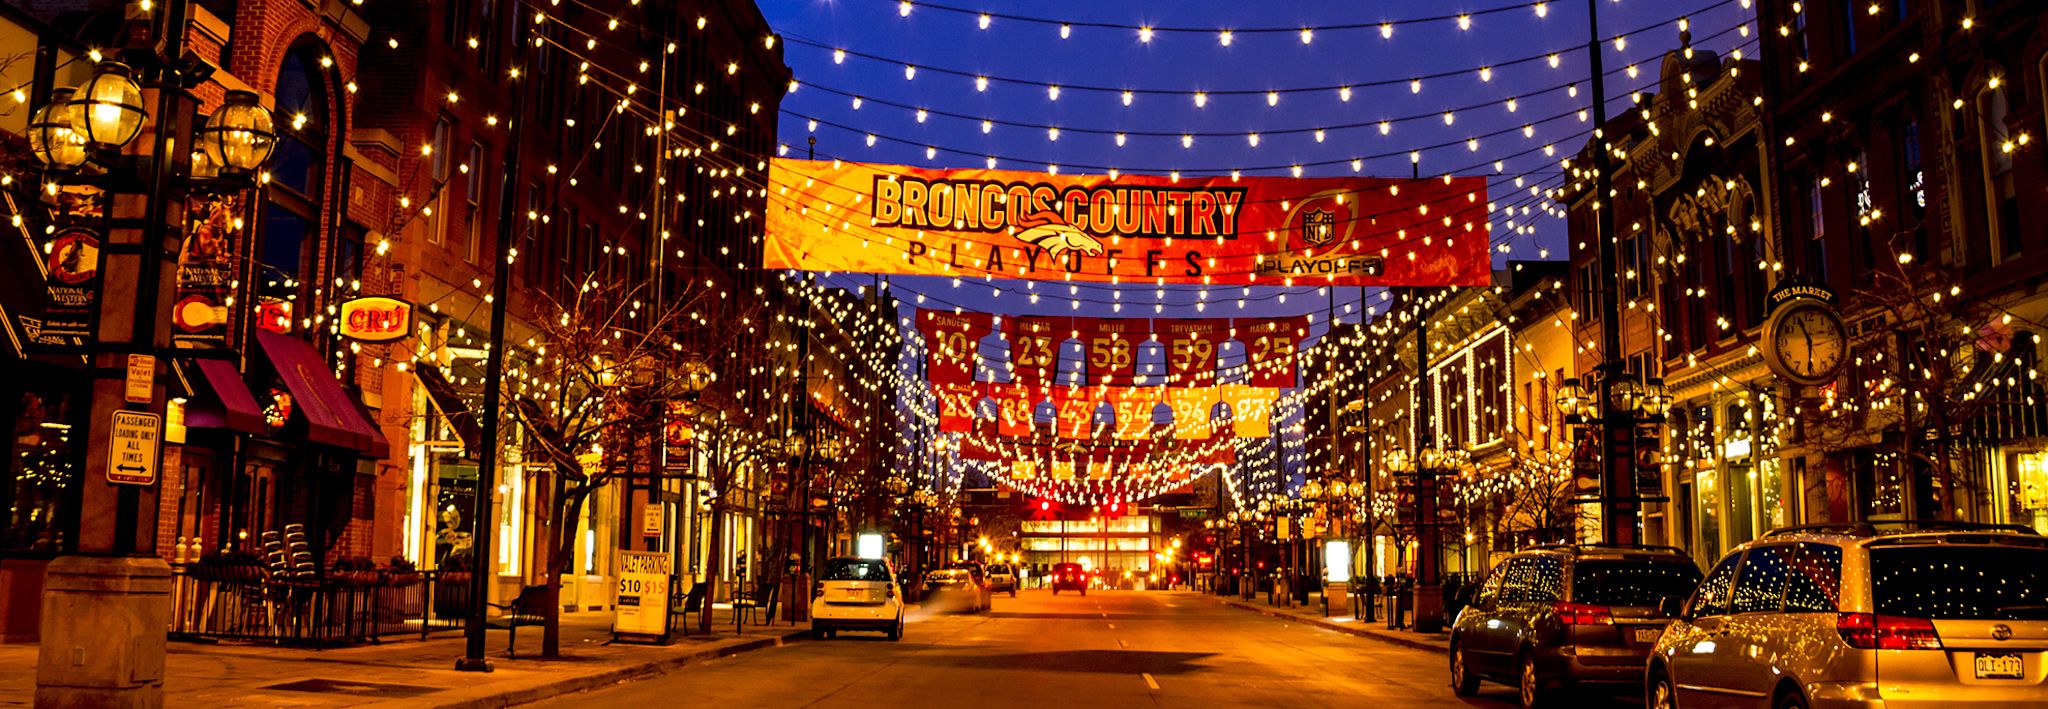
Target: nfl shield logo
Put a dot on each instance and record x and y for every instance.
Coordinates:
(1318, 226)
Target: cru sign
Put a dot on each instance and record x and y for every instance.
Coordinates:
(376, 319)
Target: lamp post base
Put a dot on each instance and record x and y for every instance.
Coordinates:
(473, 664)
(103, 632)
(1429, 608)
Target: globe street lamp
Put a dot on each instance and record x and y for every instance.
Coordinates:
(54, 133)
(238, 138)
(111, 104)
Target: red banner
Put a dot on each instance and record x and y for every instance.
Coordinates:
(956, 406)
(1076, 407)
(1133, 406)
(1191, 350)
(1269, 347)
(1347, 231)
(1112, 346)
(952, 344)
(1035, 347)
(1015, 405)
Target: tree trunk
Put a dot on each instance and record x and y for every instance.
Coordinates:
(713, 562)
(568, 507)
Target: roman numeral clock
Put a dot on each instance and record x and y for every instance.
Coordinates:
(1805, 341)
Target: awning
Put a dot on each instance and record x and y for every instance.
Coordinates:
(460, 417)
(330, 413)
(227, 403)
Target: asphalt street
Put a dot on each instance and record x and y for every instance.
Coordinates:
(1107, 649)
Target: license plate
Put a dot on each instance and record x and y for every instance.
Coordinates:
(2000, 666)
(1648, 635)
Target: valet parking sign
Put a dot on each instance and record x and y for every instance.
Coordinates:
(898, 220)
(643, 593)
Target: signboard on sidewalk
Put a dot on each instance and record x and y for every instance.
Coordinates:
(643, 594)
(132, 454)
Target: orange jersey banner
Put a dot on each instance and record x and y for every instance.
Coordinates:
(1346, 231)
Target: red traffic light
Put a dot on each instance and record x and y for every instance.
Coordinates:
(1044, 506)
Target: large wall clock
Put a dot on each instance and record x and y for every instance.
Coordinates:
(1805, 341)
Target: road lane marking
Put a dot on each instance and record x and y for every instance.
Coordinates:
(1120, 643)
(1112, 626)
(1149, 682)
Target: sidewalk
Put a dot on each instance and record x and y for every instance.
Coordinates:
(1377, 630)
(413, 672)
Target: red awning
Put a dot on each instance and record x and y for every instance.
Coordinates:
(330, 413)
(232, 407)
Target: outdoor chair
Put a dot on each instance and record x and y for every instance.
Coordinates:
(525, 609)
(759, 604)
(692, 602)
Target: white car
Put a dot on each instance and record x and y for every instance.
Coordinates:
(857, 594)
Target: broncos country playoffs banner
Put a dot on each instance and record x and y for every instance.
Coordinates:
(897, 220)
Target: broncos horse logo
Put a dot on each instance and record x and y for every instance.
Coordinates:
(1052, 233)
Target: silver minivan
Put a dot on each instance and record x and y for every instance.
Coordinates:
(1866, 614)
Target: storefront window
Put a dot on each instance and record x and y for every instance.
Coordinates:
(1881, 484)
(1710, 513)
(2029, 490)
(42, 472)
(454, 503)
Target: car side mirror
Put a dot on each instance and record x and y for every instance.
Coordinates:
(1671, 606)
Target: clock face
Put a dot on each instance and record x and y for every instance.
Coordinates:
(1809, 341)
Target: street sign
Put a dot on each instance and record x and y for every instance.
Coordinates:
(132, 452)
(141, 383)
(643, 594)
(650, 519)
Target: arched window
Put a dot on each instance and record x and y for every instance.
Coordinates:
(291, 216)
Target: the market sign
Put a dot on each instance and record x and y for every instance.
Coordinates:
(376, 319)
(891, 219)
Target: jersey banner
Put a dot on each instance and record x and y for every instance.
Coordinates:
(1346, 231)
(952, 344)
(1035, 347)
(1269, 350)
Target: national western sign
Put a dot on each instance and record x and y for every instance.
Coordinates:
(376, 319)
(849, 217)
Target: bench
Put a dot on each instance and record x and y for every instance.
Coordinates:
(692, 602)
(760, 603)
(525, 609)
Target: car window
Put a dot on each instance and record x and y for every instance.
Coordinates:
(1491, 589)
(1951, 582)
(1632, 582)
(1760, 586)
(1712, 596)
(1813, 583)
(856, 570)
(1533, 579)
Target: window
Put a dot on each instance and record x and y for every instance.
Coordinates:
(1817, 230)
(1866, 208)
(41, 474)
(2001, 189)
(291, 219)
(439, 146)
(1949, 582)
(1910, 180)
(1632, 582)
(1761, 585)
(1534, 579)
(348, 253)
(1852, 13)
(1813, 583)
(1711, 598)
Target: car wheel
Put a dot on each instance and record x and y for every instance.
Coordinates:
(1660, 693)
(896, 632)
(1055, 590)
(1013, 593)
(1790, 700)
(1084, 591)
(1463, 682)
(819, 632)
(1530, 682)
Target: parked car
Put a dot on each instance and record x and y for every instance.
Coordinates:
(857, 594)
(1566, 616)
(1069, 577)
(949, 589)
(1002, 579)
(1869, 614)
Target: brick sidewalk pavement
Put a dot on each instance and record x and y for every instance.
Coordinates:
(412, 672)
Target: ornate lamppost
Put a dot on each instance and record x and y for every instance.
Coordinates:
(109, 595)
(1627, 478)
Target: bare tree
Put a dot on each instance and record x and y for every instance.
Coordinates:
(1928, 362)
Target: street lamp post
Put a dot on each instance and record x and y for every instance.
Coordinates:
(105, 607)
(1613, 403)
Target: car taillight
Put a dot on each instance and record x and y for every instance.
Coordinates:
(891, 590)
(1583, 614)
(817, 588)
(1886, 632)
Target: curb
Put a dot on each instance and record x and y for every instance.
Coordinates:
(620, 674)
(1339, 627)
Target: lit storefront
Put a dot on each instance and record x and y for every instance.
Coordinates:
(1104, 546)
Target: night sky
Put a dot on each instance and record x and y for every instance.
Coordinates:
(1267, 81)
